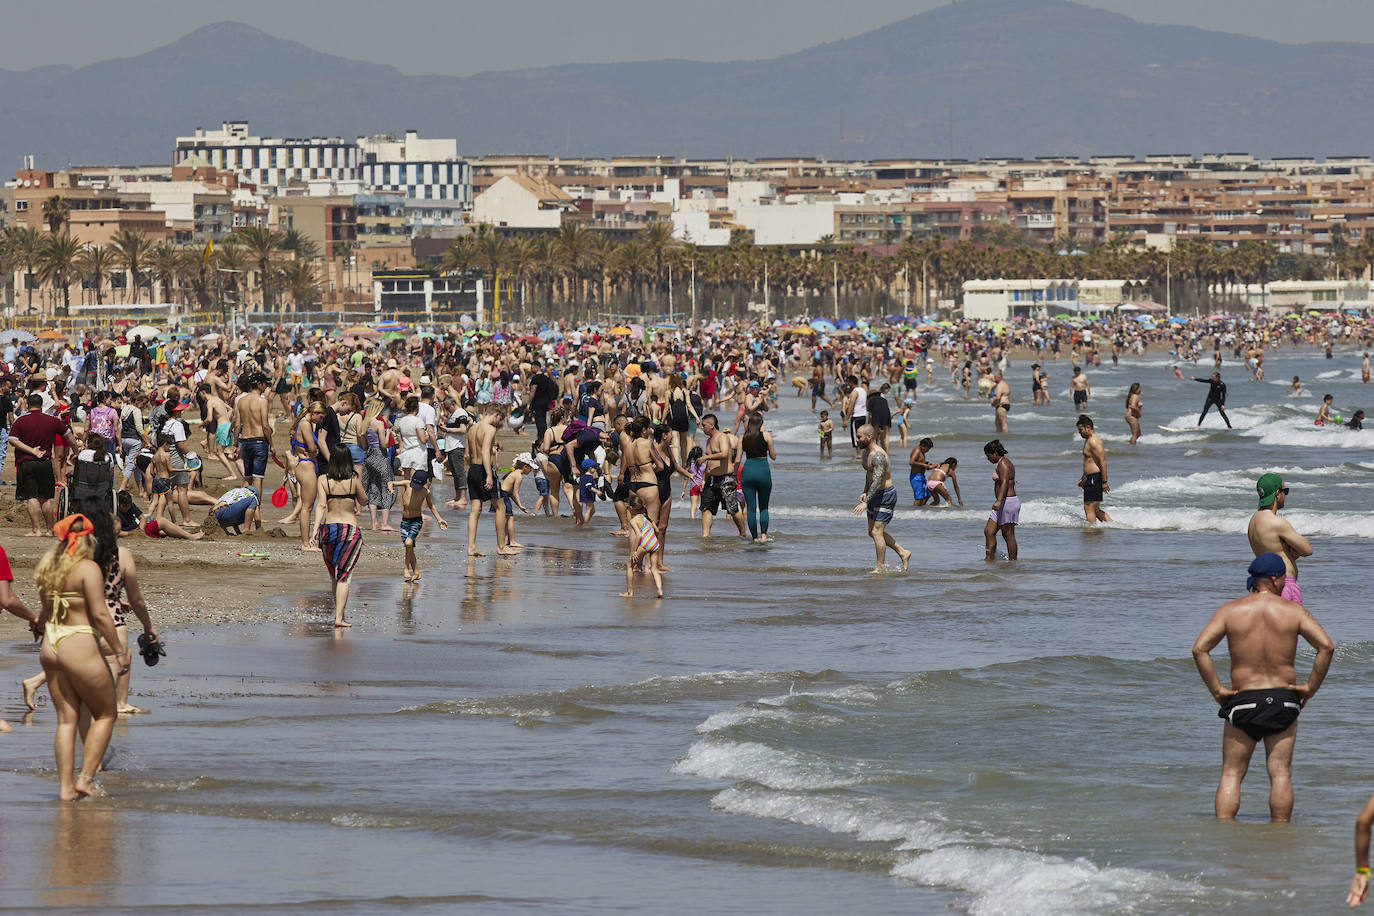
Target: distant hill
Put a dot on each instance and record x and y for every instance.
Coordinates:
(976, 77)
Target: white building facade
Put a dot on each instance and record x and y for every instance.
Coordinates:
(422, 169)
(270, 163)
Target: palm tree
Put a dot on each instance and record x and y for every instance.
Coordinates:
(131, 250)
(25, 244)
(492, 252)
(573, 249)
(96, 263)
(304, 247)
(229, 263)
(163, 265)
(261, 243)
(657, 239)
(59, 262)
(299, 277)
(55, 212)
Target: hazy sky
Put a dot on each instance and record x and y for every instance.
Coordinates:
(463, 36)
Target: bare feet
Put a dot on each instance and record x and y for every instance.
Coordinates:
(340, 625)
(515, 545)
(476, 553)
(128, 710)
(33, 534)
(306, 548)
(665, 569)
(627, 594)
(388, 528)
(876, 571)
(507, 553)
(87, 787)
(29, 692)
(906, 558)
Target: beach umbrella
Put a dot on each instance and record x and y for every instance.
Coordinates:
(51, 335)
(550, 334)
(531, 339)
(1177, 320)
(18, 334)
(211, 337)
(388, 326)
(498, 337)
(1063, 316)
(358, 331)
(899, 319)
(146, 331)
(945, 324)
(825, 327)
(620, 331)
(393, 335)
(844, 324)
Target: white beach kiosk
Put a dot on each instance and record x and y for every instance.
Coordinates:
(1002, 300)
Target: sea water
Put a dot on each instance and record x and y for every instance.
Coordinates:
(784, 732)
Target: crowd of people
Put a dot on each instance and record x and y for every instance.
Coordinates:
(105, 427)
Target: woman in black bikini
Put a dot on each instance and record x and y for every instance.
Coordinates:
(335, 526)
(640, 465)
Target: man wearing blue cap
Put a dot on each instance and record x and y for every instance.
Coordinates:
(1261, 631)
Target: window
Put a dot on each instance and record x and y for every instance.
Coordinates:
(20, 206)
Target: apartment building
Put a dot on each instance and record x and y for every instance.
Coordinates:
(328, 221)
(269, 162)
(421, 169)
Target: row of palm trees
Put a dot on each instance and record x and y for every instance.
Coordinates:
(141, 270)
(581, 270)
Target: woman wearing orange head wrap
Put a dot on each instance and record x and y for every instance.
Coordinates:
(71, 587)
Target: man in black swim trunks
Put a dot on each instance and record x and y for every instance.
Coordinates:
(1261, 631)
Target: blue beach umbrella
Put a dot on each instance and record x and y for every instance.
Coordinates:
(844, 324)
(825, 327)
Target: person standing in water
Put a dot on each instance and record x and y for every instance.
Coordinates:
(756, 478)
(1093, 483)
(1270, 534)
(335, 524)
(1006, 506)
(1133, 411)
(879, 498)
(1216, 397)
(1261, 632)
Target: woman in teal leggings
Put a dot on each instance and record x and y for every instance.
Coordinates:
(757, 479)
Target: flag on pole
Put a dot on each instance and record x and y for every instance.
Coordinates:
(209, 247)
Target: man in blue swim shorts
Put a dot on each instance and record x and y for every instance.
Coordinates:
(879, 499)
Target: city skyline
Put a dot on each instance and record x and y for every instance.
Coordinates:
(42, 35)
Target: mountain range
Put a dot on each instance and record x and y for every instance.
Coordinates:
(975, 78)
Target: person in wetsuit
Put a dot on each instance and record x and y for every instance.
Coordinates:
(1216, 397)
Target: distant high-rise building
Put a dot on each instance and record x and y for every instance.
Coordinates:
(422, 169)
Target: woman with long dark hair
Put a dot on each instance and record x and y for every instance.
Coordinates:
(756, 477)
(1006, 507)
(335, 526)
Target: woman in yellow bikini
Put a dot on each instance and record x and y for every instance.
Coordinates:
(71, 587)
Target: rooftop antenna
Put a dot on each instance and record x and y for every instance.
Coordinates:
(951, 131)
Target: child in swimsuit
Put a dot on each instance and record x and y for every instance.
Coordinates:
(697, 469)
(826, 428)
(645, 548)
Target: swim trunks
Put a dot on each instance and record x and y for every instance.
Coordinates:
(1261, 713)
(151, 528)
(477, 483)
(1080, 398)
(1010, 513)
(919, 489)
(222, 434)
(1092, 488)
(1291, 591)
(882, 507)
(410, 528)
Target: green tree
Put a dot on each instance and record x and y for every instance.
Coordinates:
(55, 212)
(26, 243)
(131, 251)
(261, 243)
(95, 265)
(59, 262)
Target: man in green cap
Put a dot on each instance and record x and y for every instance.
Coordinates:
(1270, 534)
